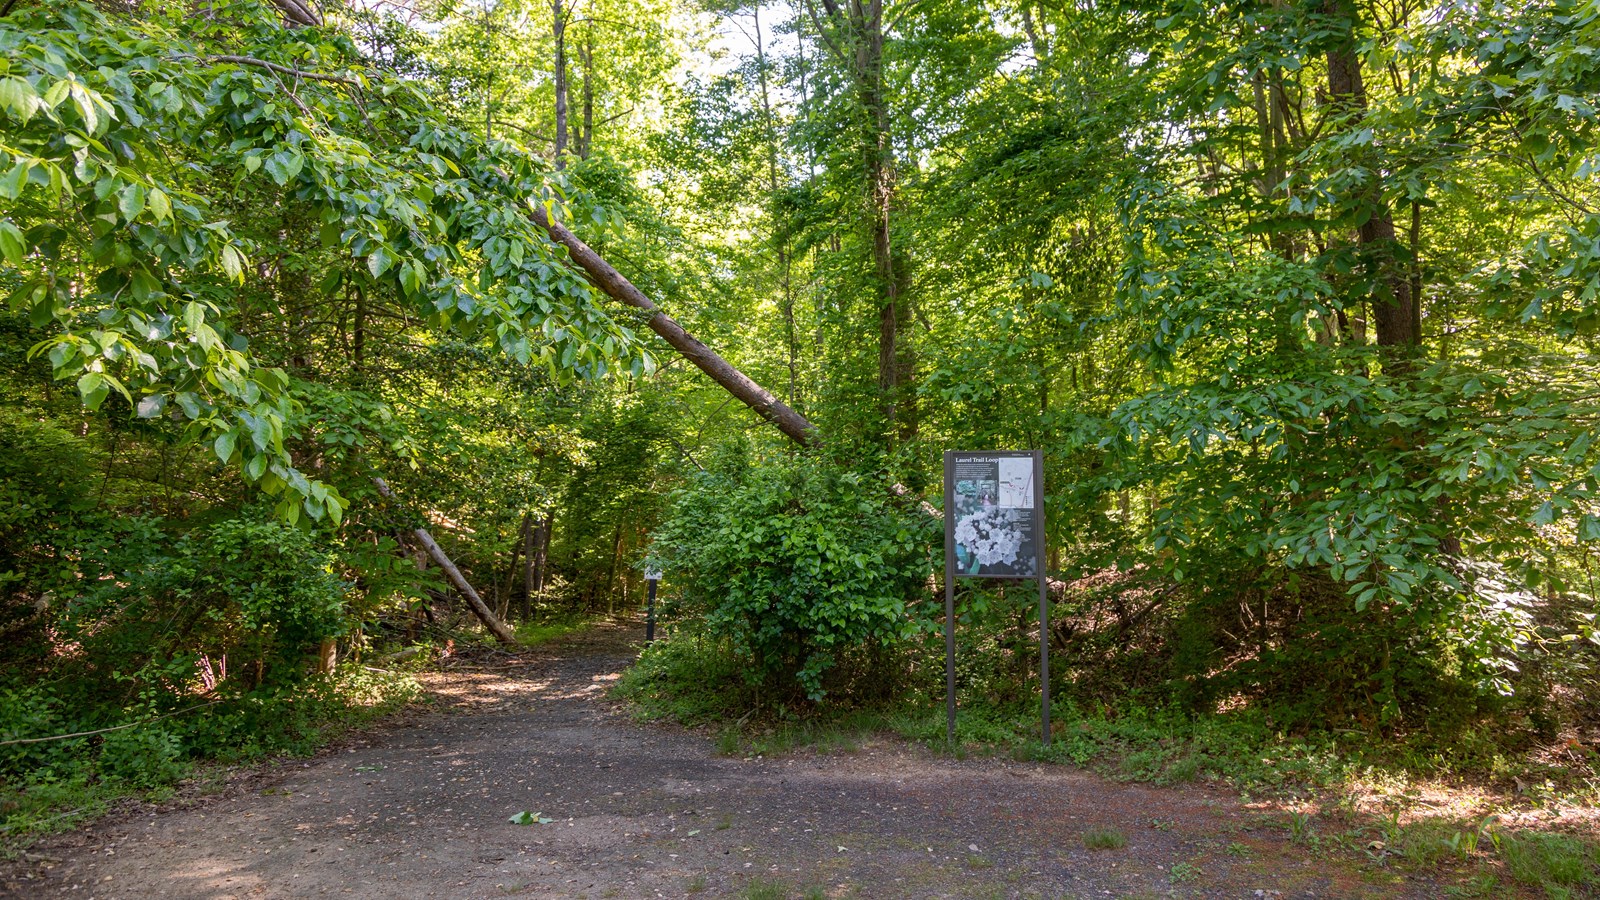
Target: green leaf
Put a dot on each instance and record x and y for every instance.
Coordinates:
(233, 263)
(224, 446)
(131, 201)
(12, 182)
(378, 262)
(151, 406)
(160, 206)
(13, 245)
(93, 388)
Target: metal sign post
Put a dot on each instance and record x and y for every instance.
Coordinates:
(652, 577)
(994, 528)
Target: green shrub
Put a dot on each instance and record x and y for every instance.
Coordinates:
(259, 595)
(798, 564)
(144, 756)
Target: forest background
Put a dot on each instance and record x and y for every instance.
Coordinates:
(1300, 301)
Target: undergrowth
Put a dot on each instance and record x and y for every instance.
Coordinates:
(52, 785)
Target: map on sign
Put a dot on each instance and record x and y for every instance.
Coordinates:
(990, 504)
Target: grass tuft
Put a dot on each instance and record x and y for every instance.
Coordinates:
(1104, 838)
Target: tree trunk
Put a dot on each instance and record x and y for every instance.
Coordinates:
(327, 656)
(586, 59)
(1393, 306)
(784, 262)
(611, 573)
(896, 363)
(541, 569)
(558, 8)
(529, 569)
(734, 381)
(503, 608)
(454, 576)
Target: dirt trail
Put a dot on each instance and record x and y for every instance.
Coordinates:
(420, 808)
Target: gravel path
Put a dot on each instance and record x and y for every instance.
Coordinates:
(419, 809)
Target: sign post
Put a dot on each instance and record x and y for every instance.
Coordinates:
(994, 528)
(652, 577)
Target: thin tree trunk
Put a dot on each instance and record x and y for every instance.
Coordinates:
(529, 567)
(611, 574)
(503, 609)
(485, 615)
(784, 263)
(586, 59)
(558, 9)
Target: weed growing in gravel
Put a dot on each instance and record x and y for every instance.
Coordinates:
(1101, 838)
(1183, 873)
(762, 889)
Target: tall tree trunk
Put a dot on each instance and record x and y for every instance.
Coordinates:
(1393, 306)
(896, 362)
(586, 60)
(559, 9)
(611, 573)
(784, 262)
(485, 615)
(1041, 51)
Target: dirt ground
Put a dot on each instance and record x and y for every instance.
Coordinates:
(419, 808)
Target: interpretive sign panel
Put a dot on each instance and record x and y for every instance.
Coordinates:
(994, 528)
(992, 518)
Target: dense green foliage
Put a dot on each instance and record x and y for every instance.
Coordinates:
(797, 565)
(1299, 300)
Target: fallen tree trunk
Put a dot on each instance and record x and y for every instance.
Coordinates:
(604, 276)
(485, 615)
(740, 385)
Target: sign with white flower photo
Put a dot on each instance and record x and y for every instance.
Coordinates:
(992, 514)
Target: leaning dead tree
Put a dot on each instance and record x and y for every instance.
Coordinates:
(499, 629)
(740, 385)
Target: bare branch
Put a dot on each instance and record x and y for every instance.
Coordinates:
(282, 70)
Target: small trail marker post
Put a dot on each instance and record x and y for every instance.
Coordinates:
(994, 528)
(652, 577)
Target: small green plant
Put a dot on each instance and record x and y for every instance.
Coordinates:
(1238, 849)
(1183, 873)
(1463, 844)
(1486, 884)
(696, 885)
(1104, 838)
(762, 889)
(1300, 829)
(724, 823)
(729, 742)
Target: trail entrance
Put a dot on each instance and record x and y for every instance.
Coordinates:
(420, 808)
